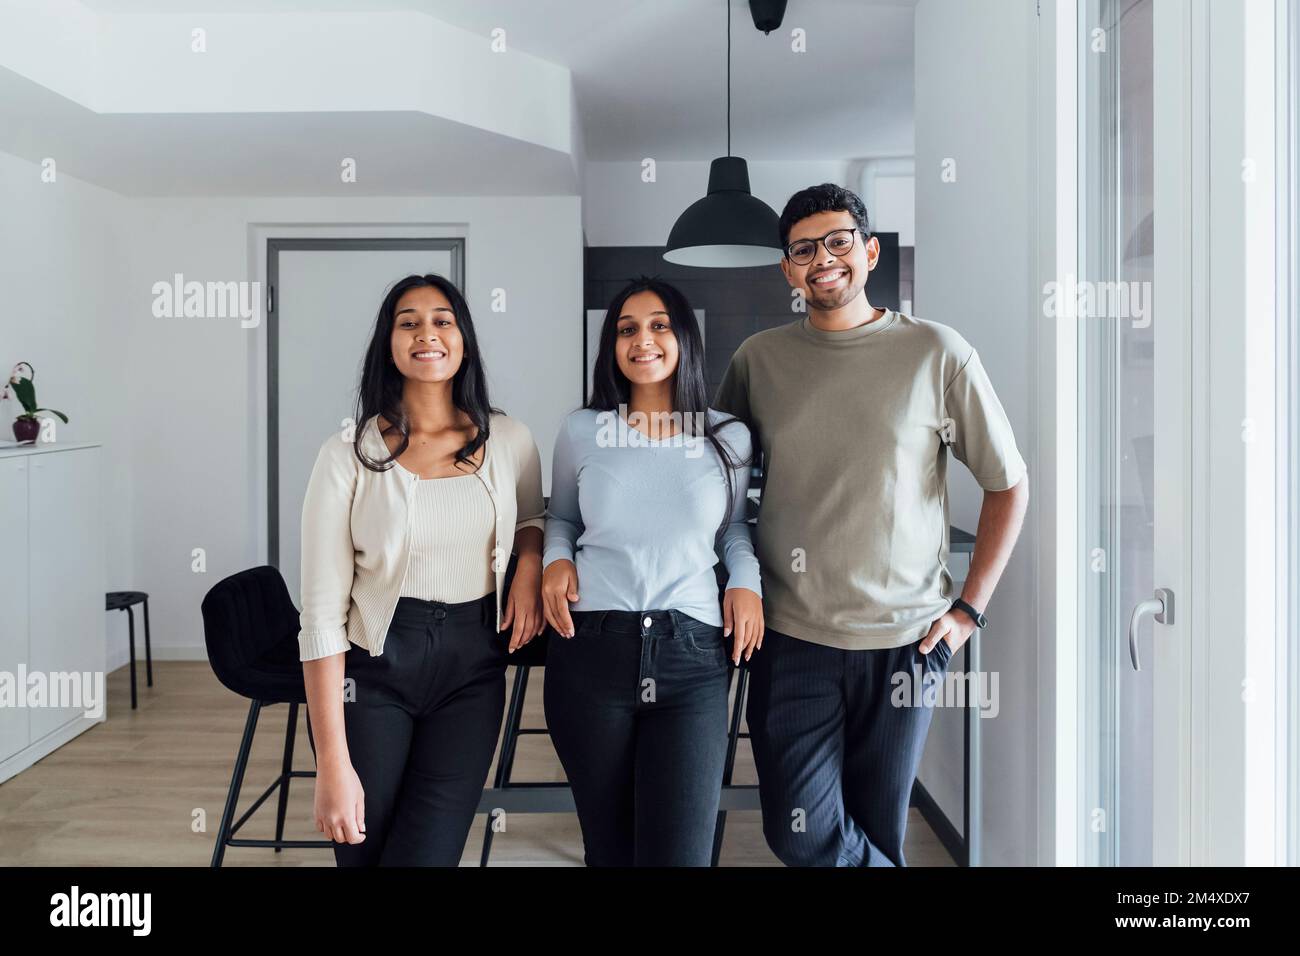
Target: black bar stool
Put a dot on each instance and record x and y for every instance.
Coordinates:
(250, 625)
(532, 654)
(124, 601)
(734, 736)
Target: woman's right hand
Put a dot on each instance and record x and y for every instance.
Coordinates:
(340, 805)
(559, 590)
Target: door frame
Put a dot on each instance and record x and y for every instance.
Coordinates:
(1232, 59)
(1288, 352)
(1054, 75)
(274, 246)
(1178, 93)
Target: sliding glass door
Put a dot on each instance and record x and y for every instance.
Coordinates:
(1133, 409)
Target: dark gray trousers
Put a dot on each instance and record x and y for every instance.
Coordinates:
(837, 738)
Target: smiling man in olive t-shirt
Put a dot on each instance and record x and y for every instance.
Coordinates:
(856, 410)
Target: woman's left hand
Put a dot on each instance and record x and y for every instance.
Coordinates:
(742, 614)
(524, 605)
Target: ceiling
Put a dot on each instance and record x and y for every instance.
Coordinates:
(649, 81)
(397, 153)
(651, 77)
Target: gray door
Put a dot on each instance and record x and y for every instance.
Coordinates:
(325, 296)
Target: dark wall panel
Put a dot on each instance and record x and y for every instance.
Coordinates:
(736, 302)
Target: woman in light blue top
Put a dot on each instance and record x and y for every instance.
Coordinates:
(648, 492)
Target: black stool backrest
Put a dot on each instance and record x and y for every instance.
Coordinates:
(250, 625)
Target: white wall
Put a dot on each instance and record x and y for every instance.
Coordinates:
(888, 188)
(893, 208)
(61, 264)
(179, 404)
(974, 271)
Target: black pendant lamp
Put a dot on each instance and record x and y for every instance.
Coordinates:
(729, 227)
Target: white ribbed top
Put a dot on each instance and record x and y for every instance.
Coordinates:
(453, 529)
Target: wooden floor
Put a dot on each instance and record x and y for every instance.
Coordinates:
(147, 788)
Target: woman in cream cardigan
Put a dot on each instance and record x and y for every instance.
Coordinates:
(406, 533)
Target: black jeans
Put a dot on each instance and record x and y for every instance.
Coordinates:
(636, 703)
(837, 738)
(422, 730)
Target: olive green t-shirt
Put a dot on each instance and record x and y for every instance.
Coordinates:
(855, 428)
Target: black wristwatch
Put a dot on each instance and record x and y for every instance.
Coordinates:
(980, 620)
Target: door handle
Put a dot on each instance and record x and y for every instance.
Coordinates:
(1162, 606)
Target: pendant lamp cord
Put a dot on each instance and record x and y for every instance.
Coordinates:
(728, 78)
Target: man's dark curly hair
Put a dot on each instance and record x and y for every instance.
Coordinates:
(824, 198)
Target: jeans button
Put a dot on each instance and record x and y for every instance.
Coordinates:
(440, 613)
(646, 622)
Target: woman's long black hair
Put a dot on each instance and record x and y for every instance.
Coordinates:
(611, 388)
(380, 391)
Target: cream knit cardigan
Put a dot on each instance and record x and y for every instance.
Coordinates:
(356, 532)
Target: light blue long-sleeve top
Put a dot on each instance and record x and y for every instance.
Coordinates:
(638, 517)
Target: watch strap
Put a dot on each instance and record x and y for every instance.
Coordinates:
(980, 620)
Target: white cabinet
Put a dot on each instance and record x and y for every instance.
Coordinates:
(15, 733)
(52, 618)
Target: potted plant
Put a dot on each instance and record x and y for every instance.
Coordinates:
(27, 425)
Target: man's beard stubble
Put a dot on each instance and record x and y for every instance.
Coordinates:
(835, 300)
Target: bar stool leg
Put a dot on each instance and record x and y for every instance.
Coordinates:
(506, 757)
(148, 651)
(286, 771)
(311, 740)
(728, 770)
(130, 619)
(512, 744)
(236, 783)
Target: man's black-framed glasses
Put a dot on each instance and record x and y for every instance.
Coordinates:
(838, 242)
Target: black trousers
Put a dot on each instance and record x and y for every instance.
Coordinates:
(422, 730)
(837, 738)
(636, 704)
